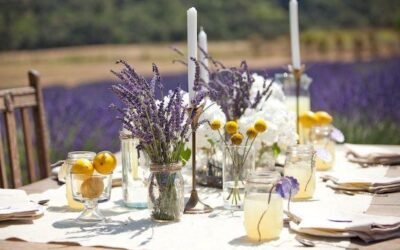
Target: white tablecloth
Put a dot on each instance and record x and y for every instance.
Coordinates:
(221, 229)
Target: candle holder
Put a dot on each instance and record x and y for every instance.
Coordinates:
(297, 73)
(194, 205)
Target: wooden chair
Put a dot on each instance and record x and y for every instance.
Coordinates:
(23, 100)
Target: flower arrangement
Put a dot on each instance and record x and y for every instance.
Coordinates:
(162, 127)
(236, 156)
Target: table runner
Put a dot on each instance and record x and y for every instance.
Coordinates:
(221, 229)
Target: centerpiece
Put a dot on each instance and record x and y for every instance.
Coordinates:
(162, 127)
(238, 159)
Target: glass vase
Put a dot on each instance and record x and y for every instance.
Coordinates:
(289, 86)
(300, 164)
(238, 163)
(166, 192)
(133, 183)
(263, 207)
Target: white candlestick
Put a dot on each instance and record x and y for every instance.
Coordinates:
(203, 58)
(192, 47)
(294, 33)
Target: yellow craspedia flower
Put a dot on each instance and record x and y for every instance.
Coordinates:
(237, 139)
(251, 132)
(323, 118)
(260, 125)
(307, 119)
(231, 127)
(215, 124)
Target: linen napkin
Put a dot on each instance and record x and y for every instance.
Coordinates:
(15, 205)
(367, 227)
(360, 183)
(372, 155)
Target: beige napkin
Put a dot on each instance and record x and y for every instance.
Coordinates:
(363, 183)
(367, 227)
(15, 205)
(372, 155)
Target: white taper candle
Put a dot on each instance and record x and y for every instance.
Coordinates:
(203, 58)
(191, 47)
(294, 33)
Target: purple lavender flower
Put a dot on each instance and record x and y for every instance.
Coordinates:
(287, 186)
(230, 88)
(160, 127)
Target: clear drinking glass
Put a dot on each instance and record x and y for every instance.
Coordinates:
(263, 207)
(238, 162)
(321, 139)
(65, 171)
(134, 186)
(91, 190)
(300, 164)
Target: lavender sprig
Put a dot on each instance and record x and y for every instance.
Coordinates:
(161, 126)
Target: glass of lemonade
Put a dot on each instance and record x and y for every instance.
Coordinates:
(300, 164)
(321, 139)
(263, 207)
(65, 171)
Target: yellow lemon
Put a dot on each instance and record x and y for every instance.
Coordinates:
(323, 118)
(251, 132)
(105, 162)
(237, 139)
(92, 188)
(260, 125)
(215, 124)
(82, 166)
(231, 127)
(308, 119)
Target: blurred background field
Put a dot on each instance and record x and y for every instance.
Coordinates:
(351, 50)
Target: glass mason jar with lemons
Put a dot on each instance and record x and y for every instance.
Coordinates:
(82, 159)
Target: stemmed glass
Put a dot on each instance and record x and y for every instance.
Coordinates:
(91, 190)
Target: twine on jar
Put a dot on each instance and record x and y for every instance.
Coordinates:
(166, 168)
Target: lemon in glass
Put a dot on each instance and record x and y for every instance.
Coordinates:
(82, 166)
(105, 162)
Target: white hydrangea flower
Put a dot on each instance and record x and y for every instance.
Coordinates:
(281, 121)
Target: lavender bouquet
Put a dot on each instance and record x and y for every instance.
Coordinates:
(162, 127)
(231, 89)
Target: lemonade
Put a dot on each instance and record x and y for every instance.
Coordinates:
(304, 174)
(323, 165)
(272, 222)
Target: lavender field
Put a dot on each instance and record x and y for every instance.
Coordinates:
(363, 97)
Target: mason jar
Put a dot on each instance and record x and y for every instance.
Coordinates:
(321, 139)
(263, 207)
(65, 172)
(300, 164)
(134, 188)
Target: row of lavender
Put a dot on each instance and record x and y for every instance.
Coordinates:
(364, 97)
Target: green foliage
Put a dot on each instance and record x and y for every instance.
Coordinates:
(49, 23)
(365, 132)
(185, 155)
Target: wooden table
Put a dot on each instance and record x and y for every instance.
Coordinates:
(381, 205)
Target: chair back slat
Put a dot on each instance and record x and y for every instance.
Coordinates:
(26, 99)
(3, 171)
(11, 129)
(26, 126)
(40, 125)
